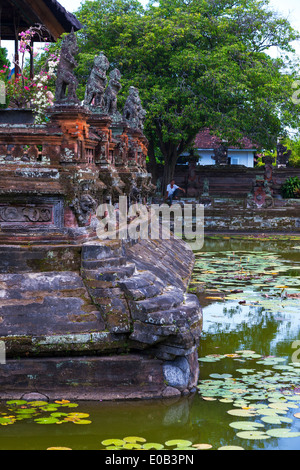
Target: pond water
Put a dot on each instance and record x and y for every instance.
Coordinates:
(248, 394)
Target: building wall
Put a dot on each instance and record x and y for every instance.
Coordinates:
(238, 157)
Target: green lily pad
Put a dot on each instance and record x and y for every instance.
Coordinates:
(153, 445)
(178, 443)
(134, 439)
(208, 359)
(82, 421)
(49, 420)
(110, 442)
(253, 435)
(132, 445)
(276, 419)
(220, 376)
(282, 432)
(242, 412)
(246, 425)
(16, 402)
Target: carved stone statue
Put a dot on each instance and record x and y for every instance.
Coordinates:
(133, 111)
(95, 88)
(84, 206)
(221, 155)
(283, 155)
(66, 82)
(111, 93)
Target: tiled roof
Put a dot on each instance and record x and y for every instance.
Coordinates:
(205, 140)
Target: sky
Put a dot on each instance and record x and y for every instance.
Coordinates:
(289, 9)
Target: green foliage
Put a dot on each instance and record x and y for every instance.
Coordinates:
(197, 64)
(291, 188)
(293, 144)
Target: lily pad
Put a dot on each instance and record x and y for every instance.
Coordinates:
(202, 446)
(242, 412)
(231, 448)
(282, 432)
(220, 376)
(246, 425)
(134, 439)
(253, 435)
(152, 445)
(276, 419)
(178, 443)
(49, 420)
(110, 442)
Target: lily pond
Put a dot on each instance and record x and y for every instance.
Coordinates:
(248, 395)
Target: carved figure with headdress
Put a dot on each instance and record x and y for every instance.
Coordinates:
(66, 82)
(96, 84)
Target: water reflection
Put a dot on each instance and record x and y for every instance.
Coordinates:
(228, 326)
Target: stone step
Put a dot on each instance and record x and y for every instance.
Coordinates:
(186, 311)
(108, 274)
(142, 286)
(103, 263)
(170, 298)
(109, 249)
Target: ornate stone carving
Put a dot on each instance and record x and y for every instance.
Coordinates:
(25, 214)
(261, 195)
(84, 206)
(95, 88)
(111, 93)
(283, 155)
(221, 155)
(133, 111)
(66, 82)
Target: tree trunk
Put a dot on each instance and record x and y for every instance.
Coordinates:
(169, 169)
(152, 165)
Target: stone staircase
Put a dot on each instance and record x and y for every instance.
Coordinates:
(157, 317)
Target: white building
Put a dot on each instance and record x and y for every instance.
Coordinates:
(205, 143)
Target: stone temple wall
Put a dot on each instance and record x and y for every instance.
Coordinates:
(106, 320)
(80, 317)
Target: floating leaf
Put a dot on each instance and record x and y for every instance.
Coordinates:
(37, 403)
(276, 419)
(153, 445)
(242, 412)
(282, 432)
(134, 439)
(178, 443)
(49, 420)
(132, 446)
(220, 376)
(231, 448)
(253, 435)
(246, 425)
(16, 402)
(115, 442)
(202, 446)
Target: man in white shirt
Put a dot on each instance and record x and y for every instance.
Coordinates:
(172, 191)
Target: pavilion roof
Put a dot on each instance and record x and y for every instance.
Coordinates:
(18, 15)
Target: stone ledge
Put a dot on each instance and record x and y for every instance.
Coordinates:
(132, 376)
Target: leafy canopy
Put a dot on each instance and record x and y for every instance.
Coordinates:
(197, 64)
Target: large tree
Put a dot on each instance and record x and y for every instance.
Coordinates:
(197, 64)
